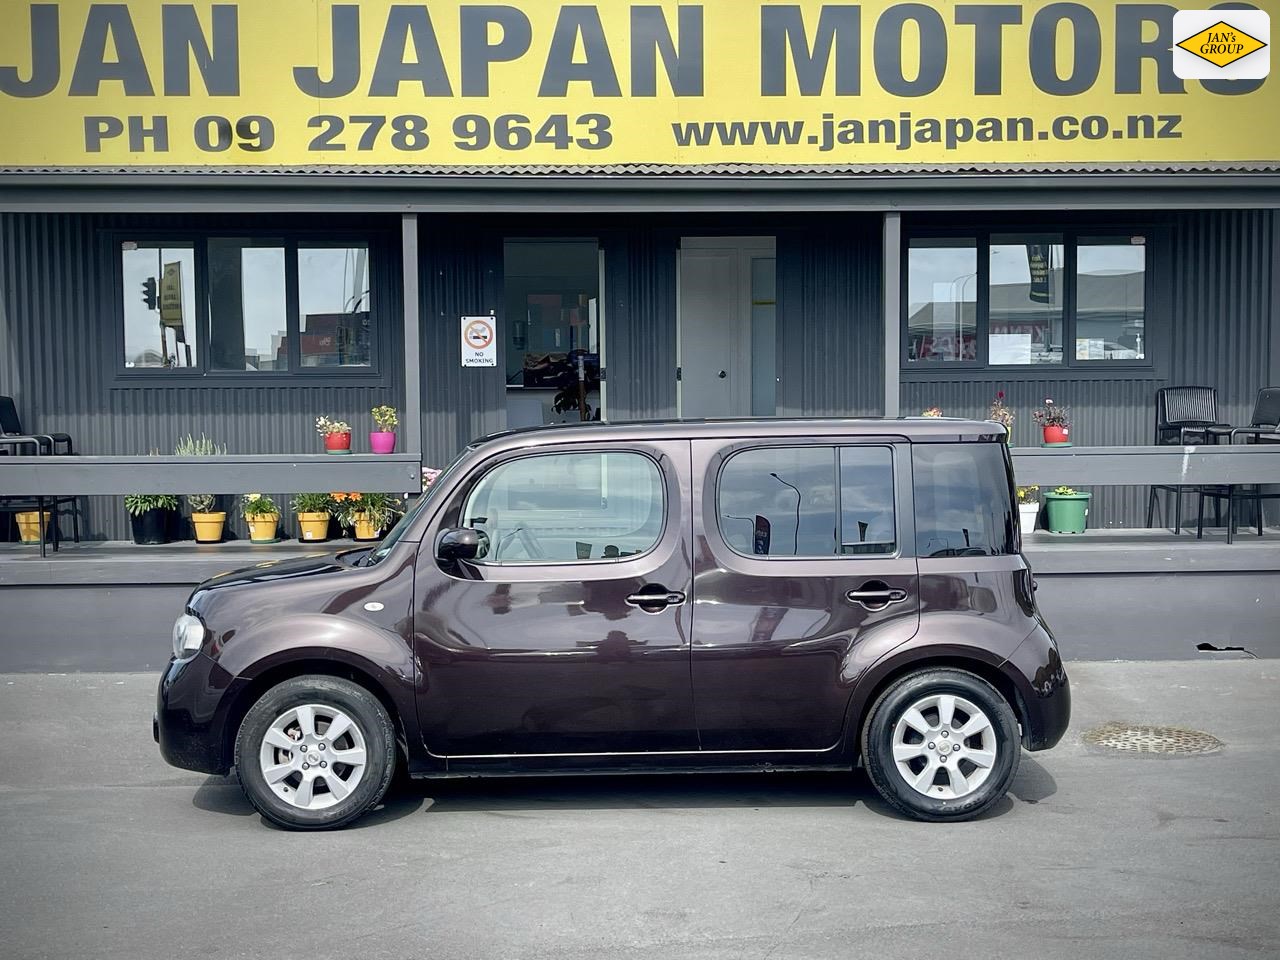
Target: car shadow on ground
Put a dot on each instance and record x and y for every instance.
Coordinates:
(631, 791)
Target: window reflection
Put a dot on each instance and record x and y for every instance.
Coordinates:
(159, 304)
(942, 299)
(963, 504)
(1111, 282)
(1026, 305)
(866, 501)
(779, 501)
(248, 325)
(333, 303)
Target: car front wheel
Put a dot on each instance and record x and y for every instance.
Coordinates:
(315, 753)
(941, 744)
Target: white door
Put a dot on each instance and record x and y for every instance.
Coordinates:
(715, 324)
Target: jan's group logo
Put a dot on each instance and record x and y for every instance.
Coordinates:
(1221, 44)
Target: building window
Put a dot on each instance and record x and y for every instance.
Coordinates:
(808, 502)
(236, 306)
(159, 305)
(1025, 299)
(568, 508)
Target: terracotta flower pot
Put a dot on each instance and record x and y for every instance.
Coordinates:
(315, 526)
(382, 441)
(262, 529)
(337, 443)
(29, 525)
(1056, 434)
(364, 528)
(209, 526)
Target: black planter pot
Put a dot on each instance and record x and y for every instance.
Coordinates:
(151, 527)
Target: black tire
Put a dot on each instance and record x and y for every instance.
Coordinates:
(361, 706)
(877, 744)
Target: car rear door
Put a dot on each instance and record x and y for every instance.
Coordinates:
(803, 552)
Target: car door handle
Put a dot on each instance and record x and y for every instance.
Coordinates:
(875, 595)
(654, 597)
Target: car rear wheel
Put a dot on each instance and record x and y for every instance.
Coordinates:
(941, 744)
(315, 753)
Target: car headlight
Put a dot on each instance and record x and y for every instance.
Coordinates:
(188, 636)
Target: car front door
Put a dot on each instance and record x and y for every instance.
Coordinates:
(802, 553)
(569, 632)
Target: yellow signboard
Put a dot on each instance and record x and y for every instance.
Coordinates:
(316, 83)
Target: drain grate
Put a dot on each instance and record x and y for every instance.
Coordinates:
(1136, 738)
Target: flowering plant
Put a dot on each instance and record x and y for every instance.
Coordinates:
(429, 475)
(256, 505)
(325, 426)
(378, 508)
(932, 412)
(1002, 415)
(385, 417)
(1052, 414)
(1028, 494)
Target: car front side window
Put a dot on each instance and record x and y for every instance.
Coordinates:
(568, 508)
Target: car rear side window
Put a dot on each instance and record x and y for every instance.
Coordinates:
(568, 508)
(808, 501)
(963, 503)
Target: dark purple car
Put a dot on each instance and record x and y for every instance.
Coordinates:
(737, 595)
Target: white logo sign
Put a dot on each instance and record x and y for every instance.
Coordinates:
(479, 342)
(1221, 44)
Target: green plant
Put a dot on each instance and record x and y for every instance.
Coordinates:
(256, 505)
(1002, 415)
(201, 502)
(325, 426)
(1028, 494)
(139, 503)
(311, 503)
(385, 417)
(380, 508)
(1064, 492)
(1053, 414)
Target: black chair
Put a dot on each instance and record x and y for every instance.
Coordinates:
(1184, 415)
(16, 441)
(1264, 427)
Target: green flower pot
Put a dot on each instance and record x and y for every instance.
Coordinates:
(1067, 512)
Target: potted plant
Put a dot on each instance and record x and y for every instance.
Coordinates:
(1067, 509)
(931, 412)
(367, 515)
(149, 516)
(383, 440)
(1002, 415)
(313, 515)
(29, 525)
(1055, 418)
(207, 521)
(336, 433)
(262, 516)
(1028, 508)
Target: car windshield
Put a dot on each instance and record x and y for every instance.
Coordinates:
(398, 531)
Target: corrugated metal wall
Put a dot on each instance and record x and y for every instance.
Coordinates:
(640, 323)
(830, 332)
(1214, 323)
(58, 350)
(461, 275)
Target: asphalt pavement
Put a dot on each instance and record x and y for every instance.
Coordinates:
(106, 852)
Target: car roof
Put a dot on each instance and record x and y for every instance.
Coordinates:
(929, 429)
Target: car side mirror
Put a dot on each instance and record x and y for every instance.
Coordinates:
(461, 543)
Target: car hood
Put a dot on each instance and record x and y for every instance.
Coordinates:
(277, 572)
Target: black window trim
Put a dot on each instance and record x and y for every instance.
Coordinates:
(1155, 313)
(378, 241)
(898, 464)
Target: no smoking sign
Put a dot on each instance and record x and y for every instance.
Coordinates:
(479, 342)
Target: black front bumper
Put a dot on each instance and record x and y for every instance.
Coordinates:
(193, 706)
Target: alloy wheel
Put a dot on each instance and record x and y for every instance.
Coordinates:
(944, 746)
(313, 756)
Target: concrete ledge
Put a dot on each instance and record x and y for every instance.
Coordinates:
(1152, 551)
(127, 564)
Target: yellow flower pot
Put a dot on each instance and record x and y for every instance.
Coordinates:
(208, 526)
(262, 529)
(364, 528)
(315, 526)
(29, 525)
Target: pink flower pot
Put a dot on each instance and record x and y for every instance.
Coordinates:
(382, 441)
(1055, 434)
